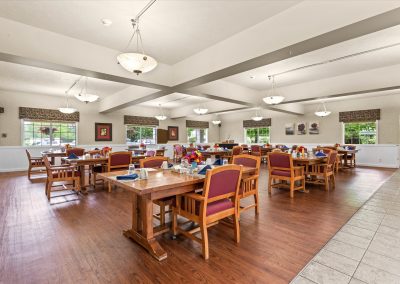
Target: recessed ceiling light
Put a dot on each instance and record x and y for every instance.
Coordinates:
(106, 22)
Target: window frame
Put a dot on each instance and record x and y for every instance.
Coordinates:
(140, 126)
(22, 132)
(376, 132)
(197, 135)
(258, 134)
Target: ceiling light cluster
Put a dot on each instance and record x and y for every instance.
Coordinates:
(137, 62)
(161, 116)
(321, 110)
(273, 97)
(200, 110)
(257, 116)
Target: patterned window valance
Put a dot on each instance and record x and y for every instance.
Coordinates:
(360, 115)
(197, 124)
(141, 120)
(46, 114)
(266, 122)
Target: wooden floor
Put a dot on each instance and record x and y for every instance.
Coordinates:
(82, 242)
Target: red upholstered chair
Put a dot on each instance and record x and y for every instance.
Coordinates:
(249, 185)
(281, 168)
(118, 161)
(152, 162)
(156, 162)
(76, 151)
(150, 153)
(255, 150)
(245, 148)
(61, 175)
(324, 173)
(219, 200)
(236, 150)
(34, 162)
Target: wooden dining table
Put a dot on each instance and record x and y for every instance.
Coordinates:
(83, 161)
(346, 154)
(160, 184)
(308, 160)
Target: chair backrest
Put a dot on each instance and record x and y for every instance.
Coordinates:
(150, 153)
(76, 151)
(28, 154)
(280, 160)
(47, 165)
(152, 162)
(160, 152)
(222, 182)
(119, 160)
(332, 157)
(205, 147)
(247, 161)
(294, 147)
(236, 150)
(276, 150)
(245, 146)
(255, 148)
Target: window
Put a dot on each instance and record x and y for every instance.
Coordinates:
(197, 135)
(46, 133)
(141, 134)
(360, 133)
(256, 135)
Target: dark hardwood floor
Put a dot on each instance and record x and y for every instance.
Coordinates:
(82, 242)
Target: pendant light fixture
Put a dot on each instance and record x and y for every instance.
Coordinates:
(257, 117)
(273, 97)
(137, 62)
(83, 95)
(200, 110)
(67, 109)
(161, 116)
(321, 110)
(216, 121)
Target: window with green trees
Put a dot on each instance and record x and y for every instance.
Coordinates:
(360, 133)
(197, 135)
(48, 133)
(256, 135)
(141, 134)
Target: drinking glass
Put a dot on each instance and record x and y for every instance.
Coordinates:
(131, 169)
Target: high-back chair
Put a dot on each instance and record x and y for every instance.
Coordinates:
(324, 174)
(255, 150)
(249, 185)
(152, 162)
(218, 200)
(118, 161)
(156, 162)
(33, 163)
(76, 151)
(236, 150)
(281, 168)
(61, 174)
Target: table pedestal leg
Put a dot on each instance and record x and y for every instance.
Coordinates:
(142, 227)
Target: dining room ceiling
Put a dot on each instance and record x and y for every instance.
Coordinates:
(27, 79)
(171, 30)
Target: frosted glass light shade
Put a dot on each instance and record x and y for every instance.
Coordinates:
(136, 62)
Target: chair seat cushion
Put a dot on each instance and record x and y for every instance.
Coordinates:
(281, 173)
(218, 206)
(69, 174)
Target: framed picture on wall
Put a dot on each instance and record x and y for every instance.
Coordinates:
(173, 133)
(103, 131)
(313, 127)
(289, 128)
(301, 128)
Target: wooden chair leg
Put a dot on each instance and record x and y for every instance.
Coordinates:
(269, 185)
(333, 181)
(29, 172)
(162, 213)
(291, 189)
(48, 189)
(256, 202)
(174, 223)
(109, 187)
(236, 228)
(326, 182)
(204, 239)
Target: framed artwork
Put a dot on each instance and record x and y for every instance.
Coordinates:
(103, 131)
(173, 133)
(313, 127)
(301, 128)
(289, 128)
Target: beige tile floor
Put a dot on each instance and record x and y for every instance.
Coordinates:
(367, 248)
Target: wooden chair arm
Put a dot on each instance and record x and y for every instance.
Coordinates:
(194, 196)
(253, 177)
(62, 168)
(298, 170)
